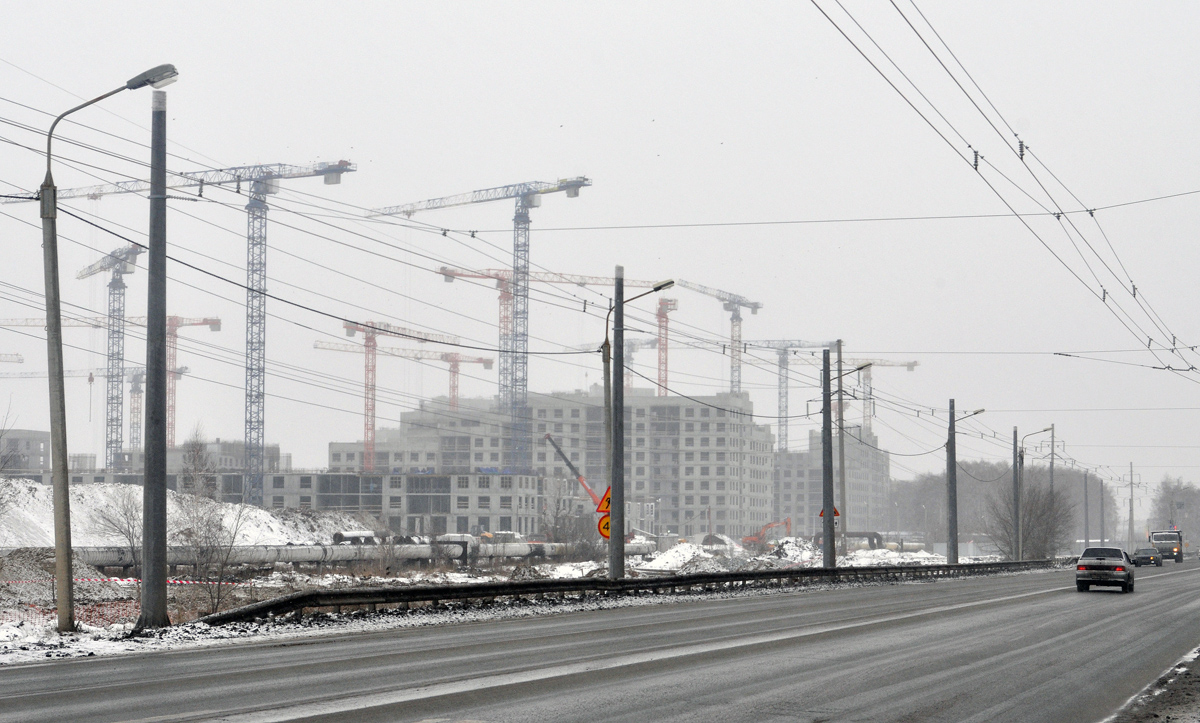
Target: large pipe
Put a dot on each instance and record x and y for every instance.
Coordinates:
(270, 554)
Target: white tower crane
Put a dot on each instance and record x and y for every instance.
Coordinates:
(784, 348)
(514, 345)
(733, 304)
(121, 262)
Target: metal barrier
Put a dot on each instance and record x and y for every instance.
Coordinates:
(705, 582)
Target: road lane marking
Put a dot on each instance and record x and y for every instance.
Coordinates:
(353, 702)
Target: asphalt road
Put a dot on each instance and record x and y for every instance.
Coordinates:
(1019, 648)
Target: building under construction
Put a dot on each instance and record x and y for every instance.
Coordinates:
(798, 481)
(701, 463)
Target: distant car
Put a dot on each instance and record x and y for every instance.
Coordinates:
(1147, 556)
(1105, 567)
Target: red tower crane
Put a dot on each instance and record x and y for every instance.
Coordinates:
(503, 278)
(370, 331)
(454, 359)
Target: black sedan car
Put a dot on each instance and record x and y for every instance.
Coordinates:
(1147, 556)
(1104, 566)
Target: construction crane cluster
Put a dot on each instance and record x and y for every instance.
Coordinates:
(260, 182)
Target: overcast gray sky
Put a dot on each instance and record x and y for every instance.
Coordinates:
(683, 114)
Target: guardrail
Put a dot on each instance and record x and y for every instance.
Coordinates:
(486, 592)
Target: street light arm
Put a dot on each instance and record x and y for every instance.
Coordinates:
(50, 133)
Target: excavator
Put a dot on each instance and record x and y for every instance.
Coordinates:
(759, 541)
(575, 471)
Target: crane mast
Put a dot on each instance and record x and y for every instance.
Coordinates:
(665, 306)
(514, 335)
(262, 180)
(784, 347)
(733, 303)
(121, 262)
(371, 330)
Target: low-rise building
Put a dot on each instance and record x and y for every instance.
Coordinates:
(798, 483)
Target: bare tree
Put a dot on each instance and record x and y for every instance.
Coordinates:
(209, 529)
(122, 518)
(10, 459)
(562, 521)
(198, 473)
(1047, 522)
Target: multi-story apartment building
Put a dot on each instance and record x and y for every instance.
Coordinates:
(699, 463)
(798, 477)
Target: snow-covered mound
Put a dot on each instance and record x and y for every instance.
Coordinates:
(29, 521)
(675, 558)
(27, 576)
(884, 557)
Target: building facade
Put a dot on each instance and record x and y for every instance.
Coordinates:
(698, 464)
(798, 483)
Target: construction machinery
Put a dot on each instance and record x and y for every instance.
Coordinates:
(453, 358)
(514, 344)
(121, 262)
(174, 324)
(868, 394)
(734, 303)
(631, 346)
(136, 376)
(261, 180)
(371, 330)
(575, 471)
(758, 541)
(503, 279)
(784, 348)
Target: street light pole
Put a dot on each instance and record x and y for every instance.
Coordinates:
(952, 488)
(841, 455)
(1016, 517)
(161, 75)
(614, 402)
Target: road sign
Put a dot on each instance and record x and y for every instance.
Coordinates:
(605, 505)
(835, 514)
(603, 525)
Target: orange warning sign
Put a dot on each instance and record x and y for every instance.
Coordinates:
(605, 505)
(603, 525)
(835, 513)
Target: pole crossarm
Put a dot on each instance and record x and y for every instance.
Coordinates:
(514, 190)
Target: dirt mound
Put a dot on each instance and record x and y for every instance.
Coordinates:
(27, 577)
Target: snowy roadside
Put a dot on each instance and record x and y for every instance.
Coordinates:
(1174, 697)
(30, 643)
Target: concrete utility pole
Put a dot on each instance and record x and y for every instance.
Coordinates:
(827, 509)
(1051, 459)
(1130, 507)
(1102, 513)
(951, 494)
(154, 487)
(616, 540)
(841, 456)
(1087, 539)
(1016, 523)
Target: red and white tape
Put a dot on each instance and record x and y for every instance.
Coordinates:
(131, 580)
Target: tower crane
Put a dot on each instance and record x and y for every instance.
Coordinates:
(262, 180)
(783, 347)
(514, 346)
(121, 262)
(665, 306)
(503, 279)
(733, 304)
(868, 404)
(174, 323)
(631, 346)
(370, 331)
(136, 375)
(12, 358)
(454, 359)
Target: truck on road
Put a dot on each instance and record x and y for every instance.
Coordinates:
(1169, 543)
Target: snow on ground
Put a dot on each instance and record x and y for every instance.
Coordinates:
(29, 522)
(885, 557)
(675, 558)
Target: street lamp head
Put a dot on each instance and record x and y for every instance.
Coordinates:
(663, 285)
(860, 367)
(979, 411)
(158, 77)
